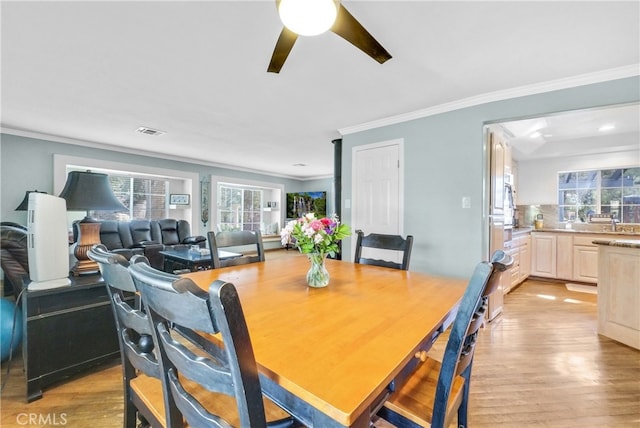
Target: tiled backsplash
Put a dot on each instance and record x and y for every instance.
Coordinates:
(528, 213)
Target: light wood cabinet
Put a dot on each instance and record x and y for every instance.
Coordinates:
(525, 257)
(569, 256)
(585, 259)
(619, 294)
(513, 275)
(543, 254)
(519, 249)
(564, 256)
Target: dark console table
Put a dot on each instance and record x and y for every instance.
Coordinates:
(66, 330)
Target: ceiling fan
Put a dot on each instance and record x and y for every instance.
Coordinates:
(337, 19)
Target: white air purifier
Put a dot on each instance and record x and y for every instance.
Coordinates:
(48, 242)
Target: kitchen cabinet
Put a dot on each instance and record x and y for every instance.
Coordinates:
(498, 148)
(513, 275)
(543, 254)
(585, 259)
(564, 256)
(619, 291)
(570, 255)
(525, 257)
(497, 233)
(519, 249)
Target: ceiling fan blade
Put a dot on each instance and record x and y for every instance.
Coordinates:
(281, 51)
(347, 27)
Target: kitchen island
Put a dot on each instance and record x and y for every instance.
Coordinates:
(619, 290)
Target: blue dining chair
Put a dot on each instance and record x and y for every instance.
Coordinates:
(240, 238)
(381, 241)
(436, 391)
(212, 380)
(140, 367)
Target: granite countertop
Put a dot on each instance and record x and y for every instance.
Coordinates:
(589, 232)
(628, 243)
(521, 230)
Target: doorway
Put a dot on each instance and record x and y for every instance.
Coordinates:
(378, 177)
(541, 148)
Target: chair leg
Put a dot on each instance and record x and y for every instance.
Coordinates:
(130, 413)
(464, 405)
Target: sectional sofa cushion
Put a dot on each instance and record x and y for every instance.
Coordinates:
(148, 237)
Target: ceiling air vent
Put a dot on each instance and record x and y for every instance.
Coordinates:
(149, 131)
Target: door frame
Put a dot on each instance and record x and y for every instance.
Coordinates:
(399, 143)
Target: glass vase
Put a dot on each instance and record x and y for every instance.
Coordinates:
(318, 275)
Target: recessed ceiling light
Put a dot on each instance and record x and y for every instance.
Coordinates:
(535, 134)
(605, 128)
(150, 131)
(299, 164)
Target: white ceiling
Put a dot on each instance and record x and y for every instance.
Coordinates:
(589, 131)
(96, 71)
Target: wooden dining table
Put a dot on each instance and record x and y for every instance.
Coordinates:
(330, 355)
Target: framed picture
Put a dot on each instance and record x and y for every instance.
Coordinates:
(301, 203)
(178, 199)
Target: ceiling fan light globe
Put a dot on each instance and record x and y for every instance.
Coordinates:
(308, 17)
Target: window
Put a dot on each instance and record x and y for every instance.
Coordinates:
(609, 191)
(145, 197)
(241, 204)
(239, 208)
(147, 183)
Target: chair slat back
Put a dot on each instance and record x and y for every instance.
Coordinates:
(214, 377)
(384, 242)
(113, 268)
(135, 337)
(458, 355)
(235, 239)
(187, 308)
(457, 335)
(132, 324)
(179, 307)
(137, 351)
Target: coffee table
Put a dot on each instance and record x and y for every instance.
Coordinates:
(184, 259)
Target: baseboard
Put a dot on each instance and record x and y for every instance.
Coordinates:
(582, 288)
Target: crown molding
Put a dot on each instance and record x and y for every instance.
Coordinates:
(521, 91)
(121, 149)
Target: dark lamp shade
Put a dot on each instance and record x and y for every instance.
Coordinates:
(90, 191)
(24, 205)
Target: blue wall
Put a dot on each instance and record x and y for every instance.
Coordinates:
(27, 164)
(445, 159)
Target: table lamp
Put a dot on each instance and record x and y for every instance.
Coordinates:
(88, 191)
(24, 205)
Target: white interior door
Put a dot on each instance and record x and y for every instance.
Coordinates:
(377, 192)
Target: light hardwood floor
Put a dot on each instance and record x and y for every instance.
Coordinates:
(540, 364)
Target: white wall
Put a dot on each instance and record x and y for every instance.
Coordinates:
(538, 179)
